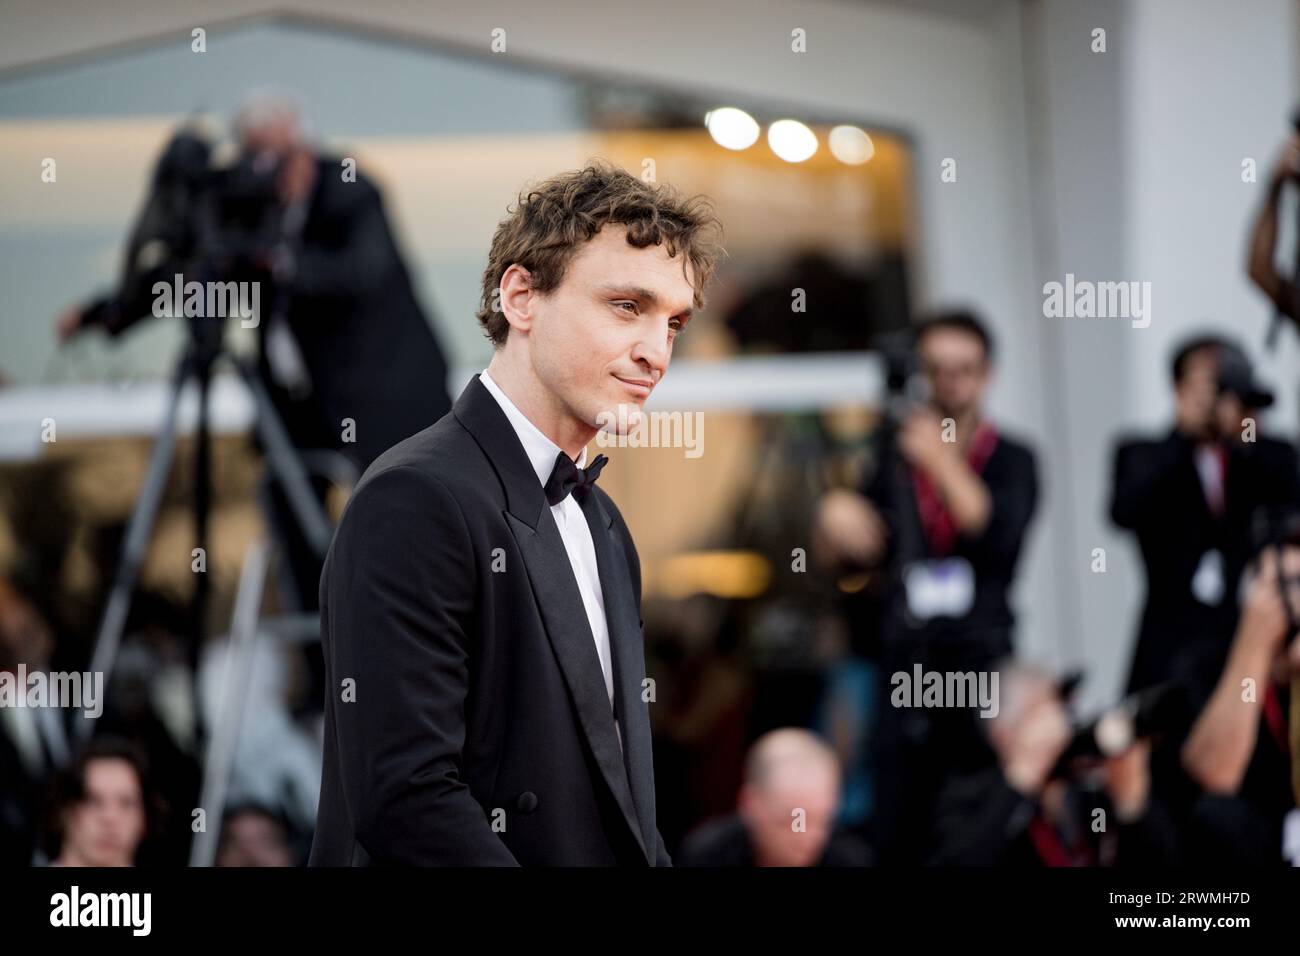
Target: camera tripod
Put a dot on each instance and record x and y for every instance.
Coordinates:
(196, 364)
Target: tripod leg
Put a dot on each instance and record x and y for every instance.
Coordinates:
(133, 547)
(202, 508)
(239, 651)
(287, 467)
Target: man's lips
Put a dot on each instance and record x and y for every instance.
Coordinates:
(641, 386)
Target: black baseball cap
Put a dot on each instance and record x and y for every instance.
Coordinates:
(1237, 375)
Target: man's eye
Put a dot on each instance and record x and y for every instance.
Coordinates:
(621, 304)
(675, 325)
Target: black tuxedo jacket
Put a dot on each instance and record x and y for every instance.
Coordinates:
(370, 351)
(1157, 493)
(466, 719)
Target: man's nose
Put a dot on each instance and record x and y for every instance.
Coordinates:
(652, 351)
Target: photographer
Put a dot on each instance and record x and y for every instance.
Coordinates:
(946, 507)
(348, 359)
(353, 342)
(1242, 751)
(942, 518)
(1190, 498)
(1035, 809)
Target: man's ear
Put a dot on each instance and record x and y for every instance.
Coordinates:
(516, 291)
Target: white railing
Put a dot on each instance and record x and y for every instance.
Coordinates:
(759, 384)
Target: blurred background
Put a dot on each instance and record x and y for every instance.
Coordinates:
(966, 154)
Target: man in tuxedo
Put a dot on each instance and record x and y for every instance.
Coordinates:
(1191, 498)
(481, 601)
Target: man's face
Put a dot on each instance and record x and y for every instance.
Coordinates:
(1230, 415)
(280, 142)
(107, 826)
(1033, 712)
(1196, 391)
(604, 337)
(278, 137)
(253, 839)
(790, 818)
(957, 369)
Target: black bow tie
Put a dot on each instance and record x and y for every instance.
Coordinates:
(568, 477)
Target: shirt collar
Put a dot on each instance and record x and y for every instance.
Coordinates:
(541, 451)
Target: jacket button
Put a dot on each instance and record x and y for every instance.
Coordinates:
(526, 802)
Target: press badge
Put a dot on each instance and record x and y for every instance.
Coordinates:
(1207, 582)
(943, 588)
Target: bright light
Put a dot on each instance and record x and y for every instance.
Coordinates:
(851, 145)
(791, 140)
(731, 128)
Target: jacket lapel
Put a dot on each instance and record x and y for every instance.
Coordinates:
(555, 589)
(627, 649)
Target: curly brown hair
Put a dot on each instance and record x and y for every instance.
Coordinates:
(555, 217)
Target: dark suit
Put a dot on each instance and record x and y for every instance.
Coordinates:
(368, 348)
(1158, 495)
(449, 599)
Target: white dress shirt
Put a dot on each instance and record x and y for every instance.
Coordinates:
(541, 452)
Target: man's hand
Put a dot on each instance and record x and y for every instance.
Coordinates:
(967, 498)
(848, 530)
(920, 439)
(1264, 619)
(1222, 740)
(1035, 745)
(1263, 614)
(69, 323)
(1128, 781)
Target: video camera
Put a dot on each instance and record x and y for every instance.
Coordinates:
(209, 216)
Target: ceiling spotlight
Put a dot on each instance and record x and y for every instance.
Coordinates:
(851, 145)
(731, 128)
(791, 140)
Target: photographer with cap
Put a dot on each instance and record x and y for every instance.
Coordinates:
(1191, 498)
